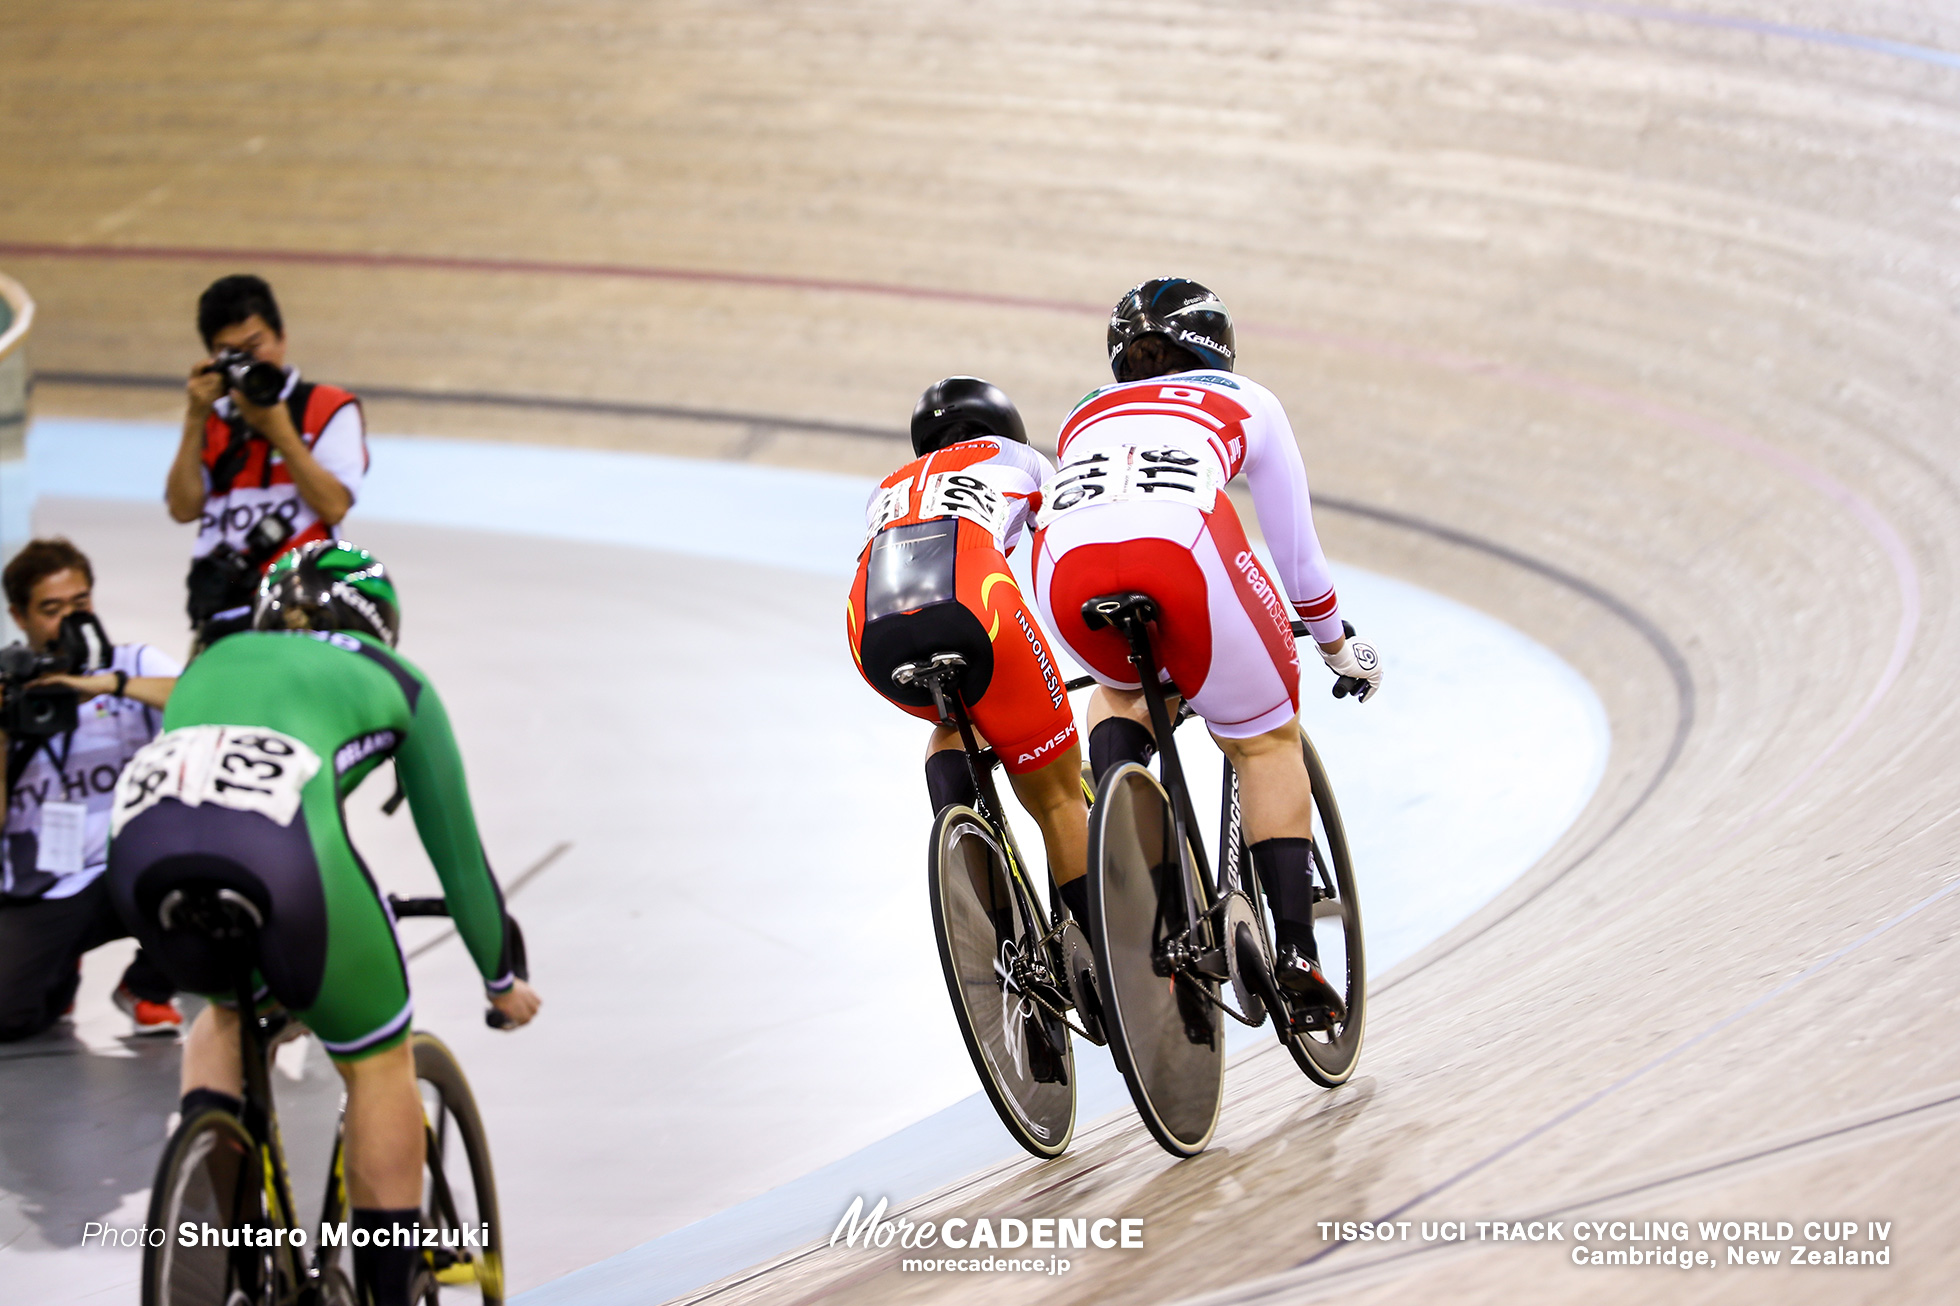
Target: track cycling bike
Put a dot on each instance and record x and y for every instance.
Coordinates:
(1169, 938)
(226, 1172)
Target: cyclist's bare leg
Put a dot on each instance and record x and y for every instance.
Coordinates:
(1106, 703)
(1274, 793)
(1052, 795)
(384, 1108)
(211, 1053)
(384, 1130)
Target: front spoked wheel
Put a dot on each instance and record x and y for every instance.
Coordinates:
(1163, 1021)
(987, 930)
(1328, 1056)
(459, 1197)
(211, 1178)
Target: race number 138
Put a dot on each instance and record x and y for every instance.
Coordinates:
(247, 768)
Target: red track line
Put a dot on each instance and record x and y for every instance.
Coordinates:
(535, 267)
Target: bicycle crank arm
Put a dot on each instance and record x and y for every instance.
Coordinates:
(1212, 964)
(1061, 1013)
(1176, 954)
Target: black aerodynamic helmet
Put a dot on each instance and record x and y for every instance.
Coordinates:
(1183, 312)
(963, 408)
(329, 585)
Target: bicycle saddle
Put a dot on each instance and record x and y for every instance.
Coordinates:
(1118, 610)
(943, 664)
(210, 909)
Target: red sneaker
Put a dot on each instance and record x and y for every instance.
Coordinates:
(150, 1017)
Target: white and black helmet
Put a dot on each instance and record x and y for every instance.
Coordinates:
(1181, 311)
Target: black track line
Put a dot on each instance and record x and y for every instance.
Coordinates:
(1646, 627)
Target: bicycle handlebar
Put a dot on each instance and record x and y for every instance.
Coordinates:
(1343, 685)
(520, 965)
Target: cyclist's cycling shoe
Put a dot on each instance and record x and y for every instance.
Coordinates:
(1044, 1062)
(1311, 1001)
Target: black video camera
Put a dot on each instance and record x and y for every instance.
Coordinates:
(43, 711)
(260, 383)
(227, 578)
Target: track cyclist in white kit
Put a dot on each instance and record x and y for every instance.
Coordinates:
(1138, 504)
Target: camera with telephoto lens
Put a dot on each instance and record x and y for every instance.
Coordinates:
(260, 383)
(227, 578)
(43, 711)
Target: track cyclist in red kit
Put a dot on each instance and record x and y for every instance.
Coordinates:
(1139, 505)
(934, 577)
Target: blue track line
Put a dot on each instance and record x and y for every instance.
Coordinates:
(1729, 22)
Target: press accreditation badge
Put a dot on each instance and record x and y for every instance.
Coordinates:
(63, 838)
(247, 768)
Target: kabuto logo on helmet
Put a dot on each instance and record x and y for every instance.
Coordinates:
(1193, 338)
(1181, 313)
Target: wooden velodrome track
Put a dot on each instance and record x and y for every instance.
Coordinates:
(1635, 326)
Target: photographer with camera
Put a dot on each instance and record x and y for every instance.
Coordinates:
(73, 710)
(268, 462)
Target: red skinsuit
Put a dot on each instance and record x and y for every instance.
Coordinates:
(987, 489)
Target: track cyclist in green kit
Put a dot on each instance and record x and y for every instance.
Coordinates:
(266, 735)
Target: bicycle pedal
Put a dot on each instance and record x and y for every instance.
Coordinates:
(1311, 1018)
(1046, 1064)
(1049, 994)
(1195, 1013)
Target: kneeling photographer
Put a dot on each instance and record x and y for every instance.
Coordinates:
(268, 462)
(73, 710)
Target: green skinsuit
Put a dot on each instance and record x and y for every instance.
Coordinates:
(355, 702)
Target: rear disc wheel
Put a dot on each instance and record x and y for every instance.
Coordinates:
(1165, 1031)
